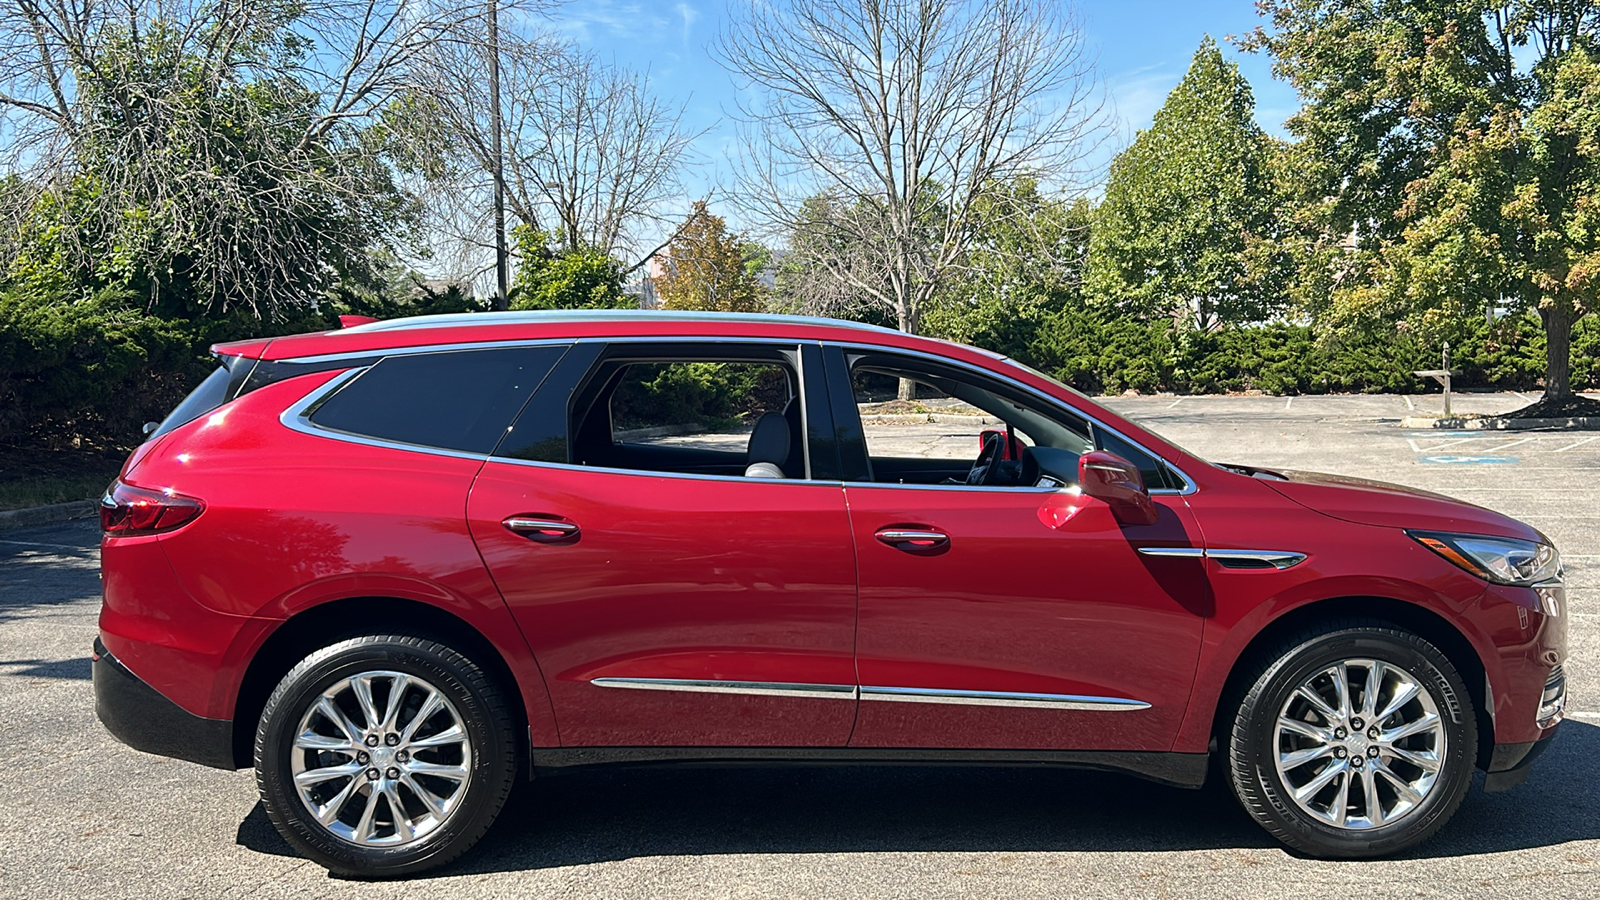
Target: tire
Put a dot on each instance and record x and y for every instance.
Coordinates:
(412, 790)
(1276, 767)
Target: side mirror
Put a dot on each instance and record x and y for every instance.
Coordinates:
(1107, 476)
(149, 427)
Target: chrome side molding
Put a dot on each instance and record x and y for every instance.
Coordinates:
(1001, 698)
(755, 688)
(1233, 559)
(876, 692)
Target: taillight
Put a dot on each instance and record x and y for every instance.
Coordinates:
(126, 510)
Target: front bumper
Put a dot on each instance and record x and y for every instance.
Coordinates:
(138, 715)
(1511, 763)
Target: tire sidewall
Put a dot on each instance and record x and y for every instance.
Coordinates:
(447, 671)
(1418, 659)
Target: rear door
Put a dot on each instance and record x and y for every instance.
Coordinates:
(669, 599)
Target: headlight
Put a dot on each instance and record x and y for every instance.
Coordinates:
(1496, 559)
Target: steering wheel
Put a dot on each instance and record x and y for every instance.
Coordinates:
(986, 469)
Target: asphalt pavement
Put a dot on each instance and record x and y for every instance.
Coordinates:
(81, 815)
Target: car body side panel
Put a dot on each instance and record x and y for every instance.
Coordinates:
(296, 520)
(726, 580)
(1344, 560)
(1036, 592)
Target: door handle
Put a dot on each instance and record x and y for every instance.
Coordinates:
(542, 529)
(913, 540)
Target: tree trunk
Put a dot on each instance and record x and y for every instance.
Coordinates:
(1558, 351)
(908, 324)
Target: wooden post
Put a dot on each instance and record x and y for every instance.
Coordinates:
(1444, 359)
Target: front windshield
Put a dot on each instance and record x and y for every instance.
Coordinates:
(1067, 387)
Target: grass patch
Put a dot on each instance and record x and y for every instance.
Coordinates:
(39, 477)
(57, 489)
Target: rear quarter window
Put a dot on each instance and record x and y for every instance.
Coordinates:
(457, 400)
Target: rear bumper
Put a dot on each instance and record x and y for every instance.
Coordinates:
(138, 715)
(1511, 763)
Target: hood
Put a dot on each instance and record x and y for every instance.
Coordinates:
(1366, 502)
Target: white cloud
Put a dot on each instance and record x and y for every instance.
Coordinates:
(690, 15)
(633, 22)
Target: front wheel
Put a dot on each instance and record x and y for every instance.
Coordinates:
(384, 755)
(1355, 742)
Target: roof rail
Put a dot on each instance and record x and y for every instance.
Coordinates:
(557, 316)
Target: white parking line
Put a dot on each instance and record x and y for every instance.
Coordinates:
(1174, 403)
(1512, 444)
(1413, 443)
(1593, 717)
(1578, 444)
(1446, 444)
(1287, 403)
(1409, 404)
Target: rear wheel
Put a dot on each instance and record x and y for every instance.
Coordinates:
(1355, 742)
(384, 755)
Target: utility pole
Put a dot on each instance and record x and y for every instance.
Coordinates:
(501, 270)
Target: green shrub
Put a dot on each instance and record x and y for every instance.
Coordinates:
(1097, 351)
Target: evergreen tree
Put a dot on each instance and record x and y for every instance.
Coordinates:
(1189, 208)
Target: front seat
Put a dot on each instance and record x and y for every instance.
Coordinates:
(769, 447)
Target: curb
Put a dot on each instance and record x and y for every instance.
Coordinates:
(48, 515)
(1462, 423)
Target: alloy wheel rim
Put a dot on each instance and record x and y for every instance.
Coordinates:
(1359, 744)
(381, 759)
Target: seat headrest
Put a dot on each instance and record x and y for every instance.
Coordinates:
(769, 441)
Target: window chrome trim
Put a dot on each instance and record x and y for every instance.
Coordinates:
(1277, 559)
(298, 423)
(1189, 483)
(1001, 698)
(750, 688)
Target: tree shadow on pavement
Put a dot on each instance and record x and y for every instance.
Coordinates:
(47, 567)
(608, 815)
(77, 669)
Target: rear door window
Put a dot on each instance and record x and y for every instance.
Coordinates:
(458, 400)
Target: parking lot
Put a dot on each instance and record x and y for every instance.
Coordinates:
(86, 816)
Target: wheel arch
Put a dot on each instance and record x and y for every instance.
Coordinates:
(1418, 620)
(327, 623)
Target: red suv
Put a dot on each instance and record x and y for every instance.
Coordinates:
(399, 566)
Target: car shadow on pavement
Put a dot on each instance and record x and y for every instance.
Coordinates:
(608, 815)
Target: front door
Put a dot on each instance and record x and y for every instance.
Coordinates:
(667, 606)
(1011, 612)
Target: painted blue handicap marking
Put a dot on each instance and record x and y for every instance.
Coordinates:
(1467, 460)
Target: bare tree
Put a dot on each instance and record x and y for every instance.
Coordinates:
(227, 138)
(591, 155)
(879, 126)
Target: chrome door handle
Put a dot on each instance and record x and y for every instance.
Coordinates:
(913, 539)
(543, 530)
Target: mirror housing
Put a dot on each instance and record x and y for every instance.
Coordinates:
(1106, 476)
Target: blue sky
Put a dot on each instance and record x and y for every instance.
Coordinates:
(1143, 46)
